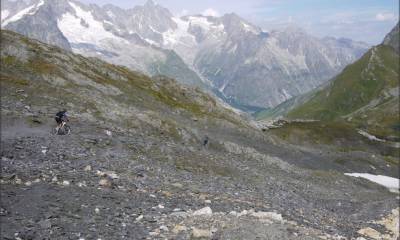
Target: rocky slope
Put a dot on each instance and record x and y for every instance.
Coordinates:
(134, 166)
(247, 66)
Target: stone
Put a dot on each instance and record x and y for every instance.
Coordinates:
(66, 183)
(370, 232)
(268, 216)
(203, 211)
(18, 181)
(164, 228)
(105, 182)
(179, 228)
(88, 168)
(201, 233)
(46, 224)
(177, 185)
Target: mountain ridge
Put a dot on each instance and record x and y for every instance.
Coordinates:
(228, 54)
(365, 93)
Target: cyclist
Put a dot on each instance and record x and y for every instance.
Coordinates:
(61, 118)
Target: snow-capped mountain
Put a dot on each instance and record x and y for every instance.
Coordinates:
(92, 31)
(244, 64)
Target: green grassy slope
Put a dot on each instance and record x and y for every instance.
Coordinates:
(364, 93)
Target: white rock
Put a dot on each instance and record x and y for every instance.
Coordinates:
(234, 213)
(207, 201)
(164, 228)
(105, 182)
(66, 183)
(201, 233)
(139, 218)
(179, 228)
(203, 211)
(28, 183)
(88, 168)
(268, 216)
(108, 133)
(18, 181)
(160, 206)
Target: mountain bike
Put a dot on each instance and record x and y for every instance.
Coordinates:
(64, 129)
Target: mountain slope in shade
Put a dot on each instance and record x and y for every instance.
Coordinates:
(365, 93)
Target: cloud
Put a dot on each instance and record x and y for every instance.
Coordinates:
(385, 17)
(210, 12)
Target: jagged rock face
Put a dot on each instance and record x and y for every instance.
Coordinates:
(240, 61)
(393, 38)
(265, 69)
(41, 23)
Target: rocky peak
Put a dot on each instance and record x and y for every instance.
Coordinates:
(150, 3)
(234, 24)
(392, 39)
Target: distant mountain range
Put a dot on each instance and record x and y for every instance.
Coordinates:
(243, 64)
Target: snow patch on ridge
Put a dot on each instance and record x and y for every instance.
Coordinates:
(390, 183)
(70, 26)
(370, 136)
(201, 22)
(4, 14)
(177, 36)
(29, 10)
(249, 28)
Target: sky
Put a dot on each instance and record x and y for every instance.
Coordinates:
(362, 20)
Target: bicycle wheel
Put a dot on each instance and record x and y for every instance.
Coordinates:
(67, 129)
(54, 131)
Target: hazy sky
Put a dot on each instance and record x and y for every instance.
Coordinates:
(365, 20)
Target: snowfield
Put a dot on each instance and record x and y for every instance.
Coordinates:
(391, 183)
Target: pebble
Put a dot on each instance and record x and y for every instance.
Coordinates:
(28, 183)
(139, 218)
